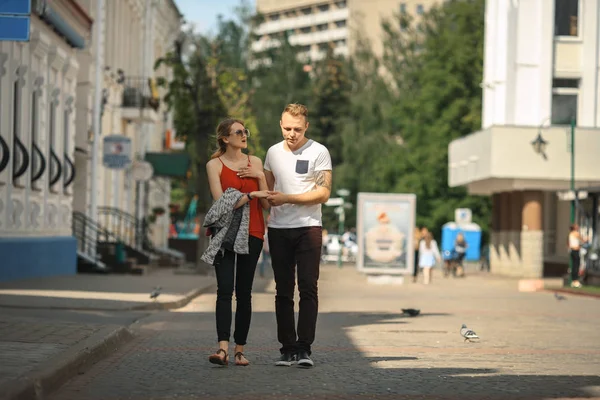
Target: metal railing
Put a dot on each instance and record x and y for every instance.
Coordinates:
(88, 233)
(139, 92)
(134, 232)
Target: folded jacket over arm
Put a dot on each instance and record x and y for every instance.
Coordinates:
(230, 224)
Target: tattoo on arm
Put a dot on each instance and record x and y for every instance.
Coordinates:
(323, 179)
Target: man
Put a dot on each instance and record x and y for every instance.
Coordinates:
(298, 172)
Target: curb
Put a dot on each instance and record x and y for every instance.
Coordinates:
(574, 292)
(53, 373)
(170, 305)
(189, 296)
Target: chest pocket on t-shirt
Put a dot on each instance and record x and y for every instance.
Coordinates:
(301, 166)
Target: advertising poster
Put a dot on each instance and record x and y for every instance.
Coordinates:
(385, 227)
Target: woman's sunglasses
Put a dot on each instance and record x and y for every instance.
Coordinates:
(241, 132)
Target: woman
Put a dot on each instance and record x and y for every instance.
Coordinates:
(230, 168)
(575, 241)
(429, 254)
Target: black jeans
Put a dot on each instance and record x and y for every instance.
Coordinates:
(575, 262)
(242, 273)
(291, 247)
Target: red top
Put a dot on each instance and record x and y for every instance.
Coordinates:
(229, 178)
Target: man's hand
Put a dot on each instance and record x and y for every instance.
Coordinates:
(277, 198)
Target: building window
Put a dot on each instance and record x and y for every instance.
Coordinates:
(66, 143)
(402, 8)
(420, 9)
(305, 49)
(35, 137)
(274, 17)
(306, 29)
(341, 42)
(340, 4)
(324, 7)
(565, 93)
(323, 46)
(290, 14)
(53, 160)
(566, 17)
(340, 24)
(19, 167)
(322, 27)
(307, 11)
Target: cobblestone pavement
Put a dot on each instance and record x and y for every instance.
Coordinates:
(532, 347)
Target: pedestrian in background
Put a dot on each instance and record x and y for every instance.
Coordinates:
(460, 249)
(429, 255)
(575, 241)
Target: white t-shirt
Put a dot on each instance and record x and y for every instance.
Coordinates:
(294, 173)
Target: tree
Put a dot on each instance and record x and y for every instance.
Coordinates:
(440, 100)
(402, 119)
(278, 78)
(330, 104)
(197, 105)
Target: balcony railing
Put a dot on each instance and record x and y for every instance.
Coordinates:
(139, 92)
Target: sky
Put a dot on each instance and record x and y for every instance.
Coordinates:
(203, 13)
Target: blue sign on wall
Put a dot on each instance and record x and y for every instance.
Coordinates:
(14, 20)
(14, 28)
(15, 7)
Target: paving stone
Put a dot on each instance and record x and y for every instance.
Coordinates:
(531, 347)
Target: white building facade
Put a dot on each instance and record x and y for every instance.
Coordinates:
(541, 68)
(136, 34)
(47, 90)
(38, 101)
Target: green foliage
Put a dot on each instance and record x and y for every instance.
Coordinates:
(330, 100)
(278, 78)
(403, 120)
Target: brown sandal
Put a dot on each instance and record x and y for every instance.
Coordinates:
(238, 359)
(217, 359)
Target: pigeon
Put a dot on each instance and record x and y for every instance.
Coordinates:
(156, 292)
(559, 297)
(467, 333)
(411, 312)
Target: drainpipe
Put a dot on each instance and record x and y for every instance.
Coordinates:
(99, 63)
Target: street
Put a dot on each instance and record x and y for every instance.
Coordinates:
(532, 346)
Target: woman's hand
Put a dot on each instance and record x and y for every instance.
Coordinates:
(253, 171)
(260, 194)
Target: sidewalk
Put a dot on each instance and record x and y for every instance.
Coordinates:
(53, 328)
(104, 292)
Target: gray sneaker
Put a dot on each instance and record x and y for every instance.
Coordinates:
(304, 359)
(286, 360)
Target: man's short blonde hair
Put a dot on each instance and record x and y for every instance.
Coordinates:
(296, 110)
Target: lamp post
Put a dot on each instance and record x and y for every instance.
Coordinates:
(572, 187)
(341, 212)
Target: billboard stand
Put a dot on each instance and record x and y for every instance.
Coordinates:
(385, 232)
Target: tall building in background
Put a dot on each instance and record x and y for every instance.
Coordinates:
(317, 24)
(541, 72)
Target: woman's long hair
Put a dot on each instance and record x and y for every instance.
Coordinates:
(223, 131)
(428, 239)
